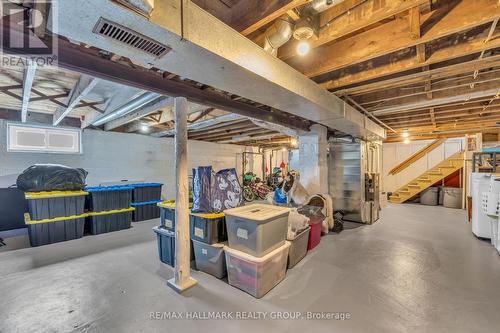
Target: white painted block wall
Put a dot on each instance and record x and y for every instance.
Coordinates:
(395, 153)
(110, 157)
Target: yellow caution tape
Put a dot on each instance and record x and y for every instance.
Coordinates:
(53, 194)
(27, 219)
(109, 212)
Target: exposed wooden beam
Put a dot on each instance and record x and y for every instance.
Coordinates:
(222, 130)
(342, 8)
(474, 45)
(231, 134)
(268, 10)
(433, 74)
(294, 15)
(82, 87)
(462, 125)
(148, 109)
(203, 124)
(384, 96)
(433, 116)
(420, 53)
(361, 16)
(368, 45)
(449, 116)
(441, 112)
(28, 78)
(441, 97)
(223, 127)
(363, 110)
(414, 18)
(436, 101)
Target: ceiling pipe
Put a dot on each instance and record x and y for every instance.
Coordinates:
(127, 108)
(318, 6)
(201, 124)
(278, 34)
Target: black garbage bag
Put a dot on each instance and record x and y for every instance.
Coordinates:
(51, 177)
(227, 192)
(202, 189)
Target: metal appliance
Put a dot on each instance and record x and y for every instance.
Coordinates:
(354, 179)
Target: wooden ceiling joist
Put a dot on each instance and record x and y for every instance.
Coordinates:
(433, 74)
(362, 15)
(396, 36)
(266, 11)
(444, 113)
(440, 98)
(386, 95)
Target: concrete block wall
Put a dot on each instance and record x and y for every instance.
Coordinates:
(111, 157)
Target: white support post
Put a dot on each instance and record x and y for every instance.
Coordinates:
(182, 276)
(29, 77)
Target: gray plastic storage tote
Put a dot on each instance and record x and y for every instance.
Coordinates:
(257, 229)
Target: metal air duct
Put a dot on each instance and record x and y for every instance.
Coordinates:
(278, 34)
(318, 6)
(127, 108)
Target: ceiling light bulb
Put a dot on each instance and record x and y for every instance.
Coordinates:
(407, 141)
(405, 134)
(294, 142)
(284, 149)
(303, 48)
(144, 128)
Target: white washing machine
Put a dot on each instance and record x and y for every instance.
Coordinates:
(493, 209)
(480, 184)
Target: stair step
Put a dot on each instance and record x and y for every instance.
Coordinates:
(424, 180)
(414, 185)
(447, 167)
(435, 173)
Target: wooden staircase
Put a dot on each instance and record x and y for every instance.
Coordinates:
(428, 178)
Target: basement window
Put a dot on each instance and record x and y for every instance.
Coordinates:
(40, 139)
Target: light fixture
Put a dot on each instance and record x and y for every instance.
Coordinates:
(305, 28)
(293, 142)
(283, 149)
(405, 134)
(406, 141)
(144, 128)
(303, 48)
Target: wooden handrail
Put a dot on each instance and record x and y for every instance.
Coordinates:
(415, 157)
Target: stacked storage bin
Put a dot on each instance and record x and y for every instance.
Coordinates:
(207, 232)
(208, 236)
(109, 208)
(145, 199)
(258, 251)
(165, 233)
(55, 216)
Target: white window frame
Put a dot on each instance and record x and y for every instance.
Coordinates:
(46, 130)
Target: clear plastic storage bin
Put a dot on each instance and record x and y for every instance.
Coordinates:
(256, 276)
(210, 258)
(298, 248)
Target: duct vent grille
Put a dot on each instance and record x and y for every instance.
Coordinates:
(131, 38)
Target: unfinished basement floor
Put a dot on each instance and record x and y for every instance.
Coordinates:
(419, 269)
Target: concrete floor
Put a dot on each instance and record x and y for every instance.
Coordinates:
(419, 269)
